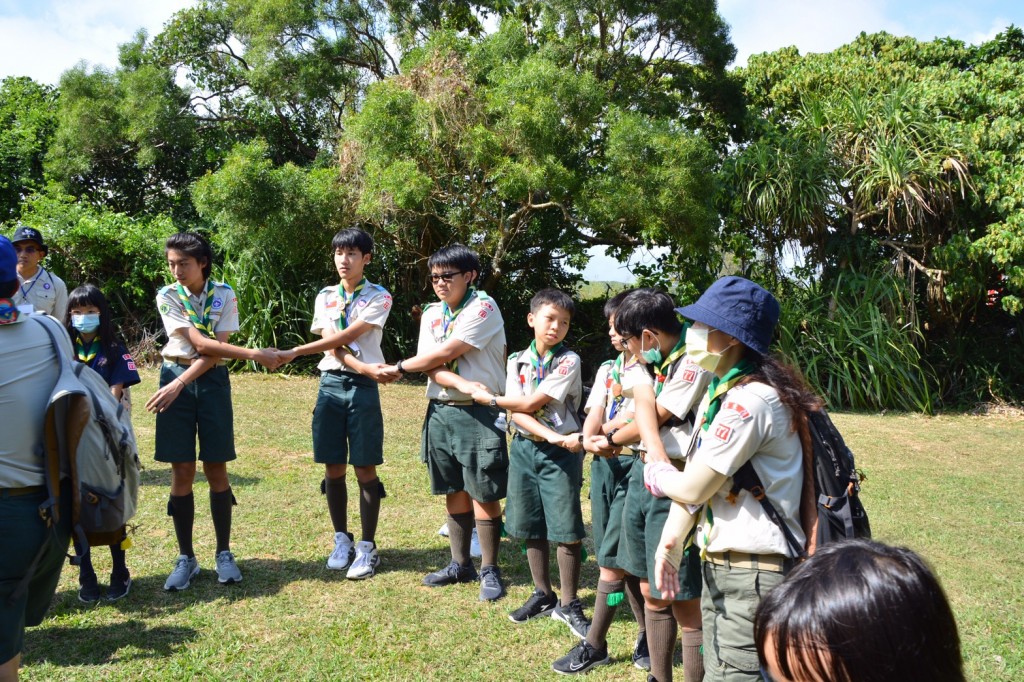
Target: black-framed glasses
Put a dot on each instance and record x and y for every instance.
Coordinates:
(446, 277)
(623, 338)
(30, 249)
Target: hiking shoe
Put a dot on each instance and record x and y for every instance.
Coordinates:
(474, 546)
(343, 552)
(491, 587)
(366, 562)
(185, 568)
(539, 604)
(119, 586)
(450, 574)
(641, 654)
(572, 615)
(89, 590)
(580, 659)
(443, 530)
(227, 569)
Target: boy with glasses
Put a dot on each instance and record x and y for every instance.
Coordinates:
(38, 287)
(462, 349)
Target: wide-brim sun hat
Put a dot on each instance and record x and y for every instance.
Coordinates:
(742, 309)
(8, 261)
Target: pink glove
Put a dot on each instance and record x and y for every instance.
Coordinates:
(654, 472)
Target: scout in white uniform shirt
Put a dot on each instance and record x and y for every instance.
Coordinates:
(40, 290)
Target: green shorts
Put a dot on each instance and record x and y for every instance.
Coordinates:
(465, 451)
(543, 492)
(23, 533)
(609, 480)
(348, 417)
(643, 519)
(203, 406)
(730, 598)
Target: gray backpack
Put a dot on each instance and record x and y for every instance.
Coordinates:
(89, 436)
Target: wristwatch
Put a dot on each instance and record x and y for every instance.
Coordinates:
(611, 434)
(398, 366)
(494, 401)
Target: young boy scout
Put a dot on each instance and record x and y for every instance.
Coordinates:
(543, 390)
(462, 348)
(348, 427)
(651, 330)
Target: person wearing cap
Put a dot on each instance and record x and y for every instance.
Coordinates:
(38, 287)
(749, 413)
(31, 552)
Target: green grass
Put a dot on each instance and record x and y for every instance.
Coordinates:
(946, 486)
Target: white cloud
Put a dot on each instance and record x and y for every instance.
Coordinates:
(60, 33)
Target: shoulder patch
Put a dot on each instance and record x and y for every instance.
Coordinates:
(723, 433)
(743, 412)
(164, 308)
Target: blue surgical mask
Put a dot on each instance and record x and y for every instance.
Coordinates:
(651, 356)
(87, 324)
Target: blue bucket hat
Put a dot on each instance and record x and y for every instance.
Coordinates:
(740, 308)
(8, 261)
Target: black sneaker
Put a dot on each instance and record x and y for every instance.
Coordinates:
(119, 586)
(641, 654)
(491, 588)
(89, 592)
(539, 604)
(572, 615)
(450, 574)
(580, 659)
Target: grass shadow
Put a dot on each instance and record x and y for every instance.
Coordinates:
(78, 645)
(159, 474)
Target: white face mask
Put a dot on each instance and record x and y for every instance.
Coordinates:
(697, 349)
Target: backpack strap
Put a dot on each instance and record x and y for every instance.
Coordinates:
(747, 479)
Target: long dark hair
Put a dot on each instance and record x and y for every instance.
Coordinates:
(192, 244)
(90, 295)
(787, 381)
(860, 611)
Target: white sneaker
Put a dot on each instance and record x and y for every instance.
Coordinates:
(443, 530)
(474, 546)
(366, 562)
(341, 557)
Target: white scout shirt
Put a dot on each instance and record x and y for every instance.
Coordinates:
(45, 292)
(685, 386)
(563, 382)
(223, 316)
(753, 424)
(603, 393)
(480, 325)
(372, 305)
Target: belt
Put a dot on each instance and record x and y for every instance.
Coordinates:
(530, 436)
(774, 563)
(181, 362)
(451, 402)
(19, 492)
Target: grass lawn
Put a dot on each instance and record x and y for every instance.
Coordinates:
(948, 487)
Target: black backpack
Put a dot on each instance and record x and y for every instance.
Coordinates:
(840, 513)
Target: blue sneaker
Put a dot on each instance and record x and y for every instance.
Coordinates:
(185, 568)
(227, 569)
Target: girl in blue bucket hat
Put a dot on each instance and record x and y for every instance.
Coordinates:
(751, 412)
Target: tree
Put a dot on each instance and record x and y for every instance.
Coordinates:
(26, 126)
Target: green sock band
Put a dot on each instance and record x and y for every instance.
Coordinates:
(615, 598)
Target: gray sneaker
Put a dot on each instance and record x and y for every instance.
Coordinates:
(491, 588)
(366, 562)
(227, 569)
(185, 568)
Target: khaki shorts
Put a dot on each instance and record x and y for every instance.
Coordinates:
(465, 451)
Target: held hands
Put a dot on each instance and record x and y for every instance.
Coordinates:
(269, 358)
(382, 373)
(666, 576)
(285, 356)
(570, 442)
(600, 446)
(480, 394)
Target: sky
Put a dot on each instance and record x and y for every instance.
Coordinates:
(43, 38)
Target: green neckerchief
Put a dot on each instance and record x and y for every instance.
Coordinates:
(541, 365)
(448, 317)
(615, 389)
(661, 369)
(204, 325)
(720, 386)
(86, 355)
(347, 299)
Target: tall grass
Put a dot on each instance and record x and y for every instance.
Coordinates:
(855, 345)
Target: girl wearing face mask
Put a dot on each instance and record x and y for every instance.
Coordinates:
(752, 411)
(90, 324)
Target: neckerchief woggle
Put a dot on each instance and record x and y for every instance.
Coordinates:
(8, 311)
(448, 317)
(661, 369)
(204, 325)
(717, 389)
(348, 299)
(84, 354)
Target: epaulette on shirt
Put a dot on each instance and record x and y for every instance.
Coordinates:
(607, 363)
(165, 289)
(327, 290)
(222, 284)
(427, 306)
